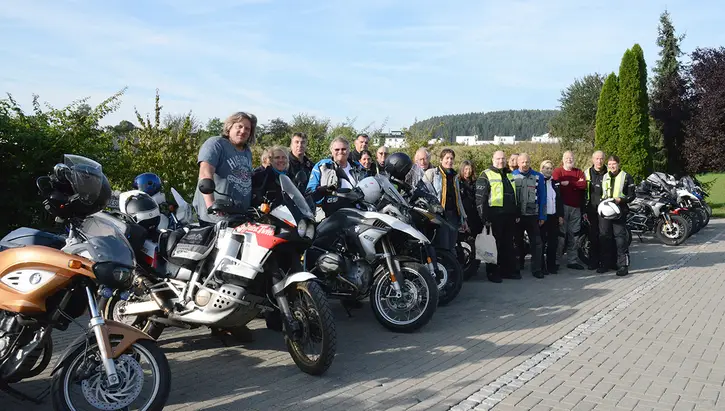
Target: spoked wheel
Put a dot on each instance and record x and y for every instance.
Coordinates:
(704, 216)
(451, 275)
(584, 247)
(415, 305)
(143, 371)
(674, 233)
(314, 345)
(467, 257)
(114, 308)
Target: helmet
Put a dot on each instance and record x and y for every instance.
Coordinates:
(398, 165)
(371, 189)
(609, 210)
(76, 188)
(141, 208)
(149, 183)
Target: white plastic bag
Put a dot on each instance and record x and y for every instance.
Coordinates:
(486, 250)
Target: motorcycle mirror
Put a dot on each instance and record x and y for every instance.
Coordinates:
(207, 186)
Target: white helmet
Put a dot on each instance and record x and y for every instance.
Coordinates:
(609, 210)
(141, 207)
(371, 189)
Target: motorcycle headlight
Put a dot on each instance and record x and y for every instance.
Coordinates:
(113, 275)
(310, 233)
(302, 228)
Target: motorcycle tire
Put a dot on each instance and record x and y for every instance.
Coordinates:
(679, 225)
(109, 308)
(689, 220)
(584, 247)
(316, 298)
(704, 216)
(63, 380)
(409, 271)
(454, 276)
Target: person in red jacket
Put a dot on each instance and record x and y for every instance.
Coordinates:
(572, 183)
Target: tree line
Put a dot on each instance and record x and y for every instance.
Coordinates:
(522, 123)
(673, 122)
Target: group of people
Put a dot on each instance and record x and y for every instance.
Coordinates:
(509, 197)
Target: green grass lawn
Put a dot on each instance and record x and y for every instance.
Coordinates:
(717, 192)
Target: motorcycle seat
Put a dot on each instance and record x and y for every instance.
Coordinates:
(186, 248)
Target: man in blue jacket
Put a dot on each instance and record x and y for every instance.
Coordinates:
(333, 173)
(531, 195)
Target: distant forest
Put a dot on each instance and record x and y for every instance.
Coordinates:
(521, 123)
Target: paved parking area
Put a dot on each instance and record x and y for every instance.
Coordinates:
(576, 340)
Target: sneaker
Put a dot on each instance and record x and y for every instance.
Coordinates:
(623, 271)
(575, 266)
(538, 274)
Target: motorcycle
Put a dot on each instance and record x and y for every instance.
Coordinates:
(423, 211)
(658, 214)
(42, 288)
(354, 255)
(583, 243)
(224, 275)
(659, 183)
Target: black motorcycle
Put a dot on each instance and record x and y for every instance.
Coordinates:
(354, 254)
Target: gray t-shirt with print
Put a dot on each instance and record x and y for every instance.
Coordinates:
(232, 175)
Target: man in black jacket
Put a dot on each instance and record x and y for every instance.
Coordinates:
(619, 186)
(496, 205)
(595, 175)
(298, 161)
(360, 144)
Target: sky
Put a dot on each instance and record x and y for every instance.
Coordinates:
(377, 62)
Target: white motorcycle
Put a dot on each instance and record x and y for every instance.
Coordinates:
(223, 276)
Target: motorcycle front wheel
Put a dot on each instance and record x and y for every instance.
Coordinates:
(311, 309)
(143, 371)
(415, 305)
(673, 234)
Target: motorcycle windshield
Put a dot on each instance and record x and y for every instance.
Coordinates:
(294, 199)
(389, 190)
(86, 177)
(105, 242)
(425, 191)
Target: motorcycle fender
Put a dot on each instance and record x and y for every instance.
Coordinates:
(129, 335)
(295, 278)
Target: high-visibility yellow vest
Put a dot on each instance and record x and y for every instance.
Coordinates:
(616, 189)
(495, 199)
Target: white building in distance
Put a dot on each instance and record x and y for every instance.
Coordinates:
(544, 138)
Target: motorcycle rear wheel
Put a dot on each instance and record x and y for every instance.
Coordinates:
(110, 307)
(454, 276)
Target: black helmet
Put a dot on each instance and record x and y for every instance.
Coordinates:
(398, 165)
(141, 208)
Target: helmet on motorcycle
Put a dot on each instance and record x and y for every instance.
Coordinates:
(609, 210)
(371, 189)
(141, 208)
(398, 165)
(149, 183)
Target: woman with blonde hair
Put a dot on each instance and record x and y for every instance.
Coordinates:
(266, 186)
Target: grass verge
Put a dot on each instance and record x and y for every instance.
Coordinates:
(717, 192)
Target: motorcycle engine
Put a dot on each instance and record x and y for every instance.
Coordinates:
(9, 329)
(359, 274)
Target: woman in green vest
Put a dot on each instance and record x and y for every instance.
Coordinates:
(617, 185)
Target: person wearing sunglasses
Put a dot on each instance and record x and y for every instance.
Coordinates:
(334, 173)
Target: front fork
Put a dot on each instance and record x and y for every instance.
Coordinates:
(393, 266)
(97, 324)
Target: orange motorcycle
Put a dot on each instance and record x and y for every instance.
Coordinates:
(110, 366)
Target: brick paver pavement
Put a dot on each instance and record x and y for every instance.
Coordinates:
(567, 341)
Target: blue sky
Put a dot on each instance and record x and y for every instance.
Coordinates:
(363, 59)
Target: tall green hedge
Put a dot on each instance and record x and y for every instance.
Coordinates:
(633, 147)
(607, 124)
